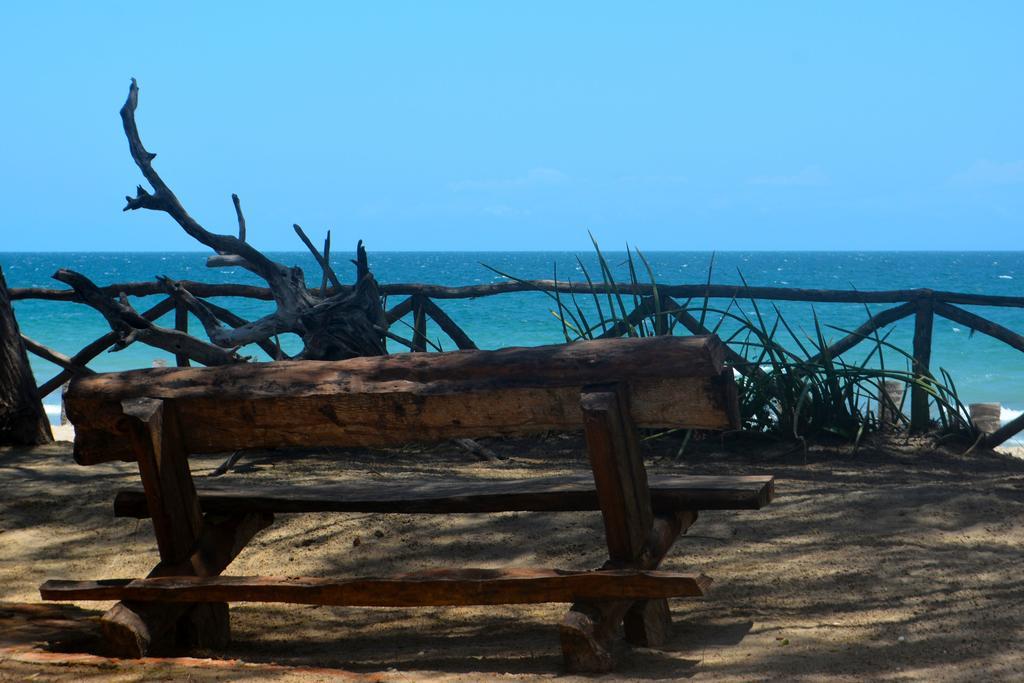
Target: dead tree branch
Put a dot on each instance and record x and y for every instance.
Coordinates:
(340, 323)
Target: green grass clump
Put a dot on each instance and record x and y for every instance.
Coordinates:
(791, 393)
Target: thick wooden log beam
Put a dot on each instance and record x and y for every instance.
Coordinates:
(387, 400)
(541, 494)
(23, 421)
(440, 587)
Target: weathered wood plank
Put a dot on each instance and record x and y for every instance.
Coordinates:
(441, 587)
(388, 400)
(542, 494)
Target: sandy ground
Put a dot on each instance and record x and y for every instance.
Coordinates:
(885, 564)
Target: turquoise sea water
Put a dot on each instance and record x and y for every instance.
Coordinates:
(984, 369)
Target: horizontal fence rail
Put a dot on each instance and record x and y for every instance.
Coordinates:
(656, 302)
(839, 296)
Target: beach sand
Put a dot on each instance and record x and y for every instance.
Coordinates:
(885, 564)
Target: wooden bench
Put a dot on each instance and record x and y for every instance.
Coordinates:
(608, 388)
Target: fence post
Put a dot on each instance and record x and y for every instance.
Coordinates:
(419, 323)
(181, 325)
(920, 418)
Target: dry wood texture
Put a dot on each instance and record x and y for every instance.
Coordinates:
(587, 629)
(542, 494)
(22, 419)
(621, 481)
(386, 400)
(441, 587)
(132, 629)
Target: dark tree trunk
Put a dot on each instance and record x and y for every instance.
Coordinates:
(22, 418)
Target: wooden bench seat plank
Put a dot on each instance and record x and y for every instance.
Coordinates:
(388, 400)
(543, 494)
(439, 587)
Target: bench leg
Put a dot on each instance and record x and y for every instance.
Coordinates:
(188, 544)
(588, 630)
(634, 536)
(648, 623)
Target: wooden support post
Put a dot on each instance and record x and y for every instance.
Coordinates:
(619, 475)
(920, 418)
(419, 323)
(181, 325)
(134, 629)
(613, 447)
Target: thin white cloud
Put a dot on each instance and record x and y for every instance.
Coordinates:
(535, 177)
(986, 172)
(504, 211)
(809, 176)
(653, 179)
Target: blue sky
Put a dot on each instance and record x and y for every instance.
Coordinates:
(477, 126)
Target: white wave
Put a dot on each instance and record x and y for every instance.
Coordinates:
(1007, 414)
(51, 409)
(1005, 277)
(956, 329)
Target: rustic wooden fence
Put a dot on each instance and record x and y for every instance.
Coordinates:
(419, 302)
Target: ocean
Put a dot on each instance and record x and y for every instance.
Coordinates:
(982, 368)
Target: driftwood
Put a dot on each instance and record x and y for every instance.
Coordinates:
(96, 347)
(343, 322)
(23, 421)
